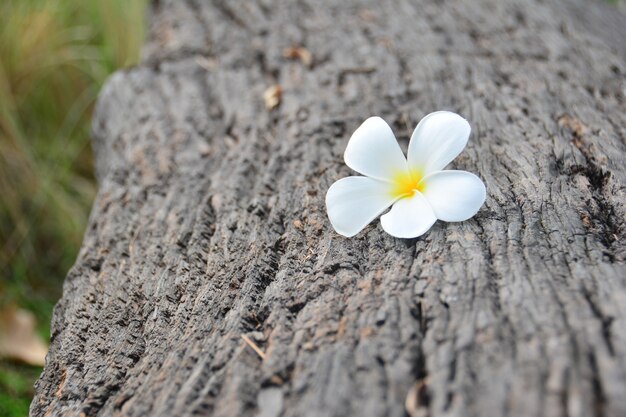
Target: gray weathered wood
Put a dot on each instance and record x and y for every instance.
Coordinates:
(210, 222)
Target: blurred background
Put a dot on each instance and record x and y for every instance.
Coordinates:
(54, 57)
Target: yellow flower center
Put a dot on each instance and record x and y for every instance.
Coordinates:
(405, 183)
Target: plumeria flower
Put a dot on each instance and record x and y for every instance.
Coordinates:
(417, 188)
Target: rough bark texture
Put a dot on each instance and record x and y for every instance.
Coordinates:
(210, 222)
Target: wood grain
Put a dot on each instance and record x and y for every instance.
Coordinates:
(210, 222)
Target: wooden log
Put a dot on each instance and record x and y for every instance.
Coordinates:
(210, 281)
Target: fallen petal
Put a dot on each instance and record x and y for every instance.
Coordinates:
(454, 195)
(374, 151)
(437, 140)
(353, 202)
(409, 217)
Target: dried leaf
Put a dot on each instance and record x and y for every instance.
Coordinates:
(572, 123)
(272, 96)
(368, 15)
(208, 64)
(19, 339)
(416, 403)
(301, 53)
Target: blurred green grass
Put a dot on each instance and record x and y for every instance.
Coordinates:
(54, 57)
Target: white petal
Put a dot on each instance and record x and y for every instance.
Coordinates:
(454, 195)
(374, 151)
(353, 202)
(409, 217)
(437, 140)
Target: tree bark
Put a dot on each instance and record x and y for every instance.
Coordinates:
(209, 236)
